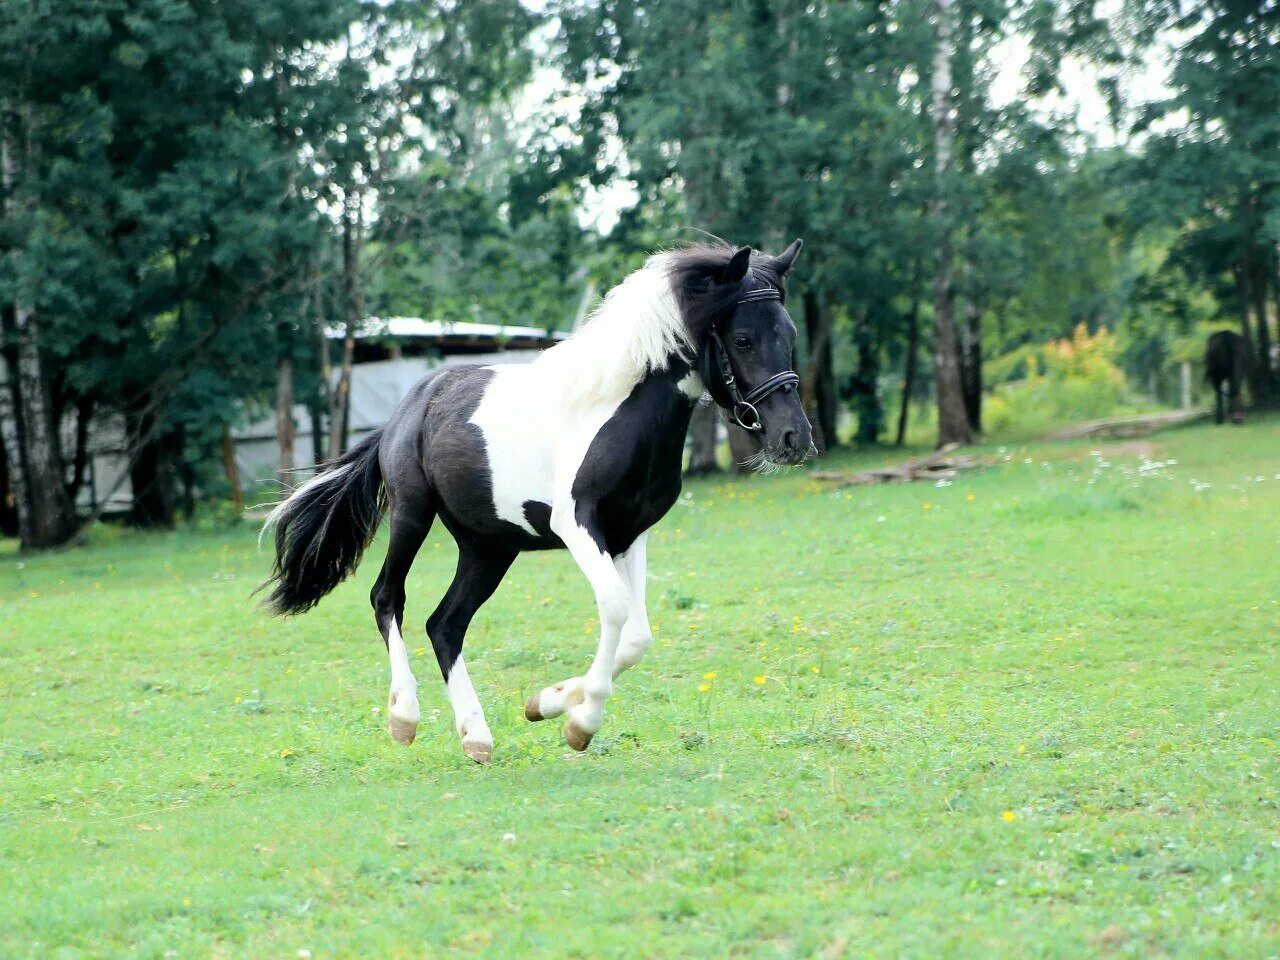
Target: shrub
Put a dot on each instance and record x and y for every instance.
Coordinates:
(1076, 378)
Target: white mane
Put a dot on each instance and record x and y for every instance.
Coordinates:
(636, 330)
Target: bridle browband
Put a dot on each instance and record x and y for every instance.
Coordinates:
(744, 404)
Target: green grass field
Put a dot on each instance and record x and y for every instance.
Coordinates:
(1031, 713)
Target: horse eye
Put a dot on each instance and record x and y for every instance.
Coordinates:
(741, 342)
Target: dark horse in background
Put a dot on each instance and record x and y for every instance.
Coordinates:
(580, 449)
(1226, 361)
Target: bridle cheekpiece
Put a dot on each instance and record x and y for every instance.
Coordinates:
(744, 404)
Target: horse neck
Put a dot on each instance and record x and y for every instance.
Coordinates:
(665, 402)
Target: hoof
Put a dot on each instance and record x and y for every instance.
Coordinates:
(532, 712)
(553, 701)
(402, 731)
(478, 751)
(576, 737)
(402, 719)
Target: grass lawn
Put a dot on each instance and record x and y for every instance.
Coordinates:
(1031, 713)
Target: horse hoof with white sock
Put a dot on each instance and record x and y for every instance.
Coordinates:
(402, 718)
(581, 449)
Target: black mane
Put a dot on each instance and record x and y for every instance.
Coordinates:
(695, 273)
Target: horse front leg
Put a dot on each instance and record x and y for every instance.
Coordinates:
(632, 567)
(583, 698)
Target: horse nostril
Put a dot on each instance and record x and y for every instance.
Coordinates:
(789, 439)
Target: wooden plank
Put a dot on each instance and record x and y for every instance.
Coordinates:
(942, 464)
(1123, 427)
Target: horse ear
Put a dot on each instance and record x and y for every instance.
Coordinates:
(787, 258)
(737, 266)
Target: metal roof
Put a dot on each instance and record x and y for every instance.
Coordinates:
(445, 331)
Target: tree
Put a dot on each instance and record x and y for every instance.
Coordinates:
(953, 420)
(32, 449)
(417, 78)
(1217, 170)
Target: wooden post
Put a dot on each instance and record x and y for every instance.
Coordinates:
(1184, 377)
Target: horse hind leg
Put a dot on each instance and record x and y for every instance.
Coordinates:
(411, 517)
(480, 570)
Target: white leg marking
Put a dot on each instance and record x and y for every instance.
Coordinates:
(402, 703)
(553, 701)
(613, 601)
(636, 637)
(633, 566)
(468, 715)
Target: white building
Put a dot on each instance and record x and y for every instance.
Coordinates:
(391, 355)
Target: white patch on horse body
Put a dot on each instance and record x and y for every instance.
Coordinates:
(569, 392)
(536, 453)
(691, 386)
(282, 508)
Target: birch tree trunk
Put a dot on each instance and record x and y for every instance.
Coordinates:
(321, 404)
(8, 509)
(352, 307)
(46, 517)
(953, 422)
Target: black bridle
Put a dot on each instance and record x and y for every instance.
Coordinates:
(744, 404)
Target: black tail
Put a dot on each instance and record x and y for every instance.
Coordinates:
(323, 528)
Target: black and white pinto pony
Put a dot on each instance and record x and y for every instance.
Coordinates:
(580, 449)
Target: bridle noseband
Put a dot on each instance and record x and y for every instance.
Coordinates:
(744, 404)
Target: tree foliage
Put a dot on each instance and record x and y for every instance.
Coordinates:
(197, 193)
